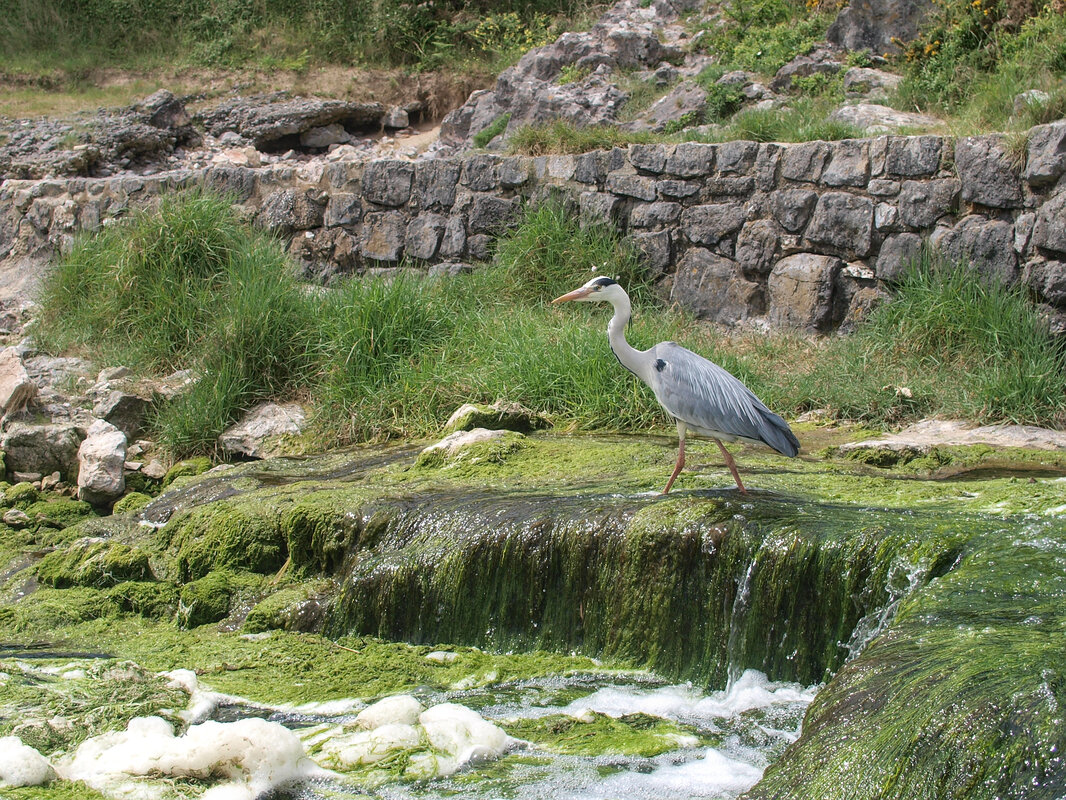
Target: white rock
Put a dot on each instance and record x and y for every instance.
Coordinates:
(454, 442)
(260, 433)
(442, 657)
(101, 463)
(21, 765)
(16, 387)
(398, 709)
(873, 118)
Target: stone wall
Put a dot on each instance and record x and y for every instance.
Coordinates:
(804, 236)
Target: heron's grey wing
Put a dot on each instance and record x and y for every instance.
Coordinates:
(701, 393)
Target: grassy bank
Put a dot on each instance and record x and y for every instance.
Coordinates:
(191, 286)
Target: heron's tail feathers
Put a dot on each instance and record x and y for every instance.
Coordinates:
(776, 433)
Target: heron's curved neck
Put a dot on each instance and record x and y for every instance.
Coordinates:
(627, 355)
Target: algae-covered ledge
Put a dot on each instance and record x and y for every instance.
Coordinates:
(917, 594)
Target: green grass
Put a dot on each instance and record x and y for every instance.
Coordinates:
(76, 36)
(949, 344)
(377, 359)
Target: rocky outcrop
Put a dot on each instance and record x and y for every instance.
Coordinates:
(878, 25)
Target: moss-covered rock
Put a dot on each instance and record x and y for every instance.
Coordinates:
(153, 599)
(472, 448)
(48, 609)
(229, 534)
(22, 494)
(297, 608)
(59, 512)
(498, 416)
(91, 562)
(206, 600)
(132, 501)
(187, 468)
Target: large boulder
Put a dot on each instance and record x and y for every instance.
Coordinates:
(801, 291)
(878, 25)
(101, 464)
(276, 122)
(41, 449)
(16, 388)
(267, 430)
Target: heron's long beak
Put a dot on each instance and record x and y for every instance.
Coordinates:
(577, 294)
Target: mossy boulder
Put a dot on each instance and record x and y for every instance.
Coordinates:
(228, 534)
(498, 416)
(471, 448)
(298, 608)
(153, 599)
(91, 562)
(49, 609)
(59, 512)
(206, 600)
(190, 467)
(22, 494)
(131, 502)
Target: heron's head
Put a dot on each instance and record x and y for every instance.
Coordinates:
(598, 289)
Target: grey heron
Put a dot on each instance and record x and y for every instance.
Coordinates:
(700, 396)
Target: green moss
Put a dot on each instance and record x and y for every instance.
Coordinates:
(187, 468)
(229, 534)
(206, 600)
(60, 512)
(21, 494)
(133, 501)
(602, 735)
(56, 790)
(473, 456)
(492, 130)
(295, 609)
(48, 609)
(89, 562)
(147, 598)
(51, 714)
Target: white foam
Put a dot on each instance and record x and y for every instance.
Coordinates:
(715, 774)
(253, 755)
(401, 708)
(21, 765)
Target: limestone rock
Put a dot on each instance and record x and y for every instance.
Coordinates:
(264, 431)
(127, 412)
(988, 245)
(41, 449)
(929, 433)
(479, 445)
(872, 118)
(801, 291)
(1046, 160)
(101, 464)
(877, 25)
(288, 210)
(873, 85)
(986, 173)
(713, 288)
(842, 221)
(16, 388)
(274, 122)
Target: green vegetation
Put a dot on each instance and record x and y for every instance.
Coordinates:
(491, 131)
(599, 734)
(949, 343)
(562, 137)
(41, 35)
(386, 358)
(975, 56)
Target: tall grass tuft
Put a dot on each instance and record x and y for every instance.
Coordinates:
(949, 343)
(186, 286)
(553, 251)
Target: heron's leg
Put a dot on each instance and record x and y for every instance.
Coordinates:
(732, 466)
(680, 456)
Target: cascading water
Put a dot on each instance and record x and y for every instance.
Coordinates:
(739, 608)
